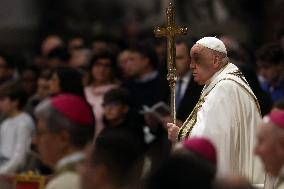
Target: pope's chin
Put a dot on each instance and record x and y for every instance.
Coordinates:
(198, 81)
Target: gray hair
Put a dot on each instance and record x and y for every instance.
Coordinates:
(224, 59)
(54, 119)
(56, 122)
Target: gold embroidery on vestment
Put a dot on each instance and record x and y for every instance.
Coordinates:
(190, 122)
(240, 75)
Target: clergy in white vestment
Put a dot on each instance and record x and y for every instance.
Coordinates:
(227, 112)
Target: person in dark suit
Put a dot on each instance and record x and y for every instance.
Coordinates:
(187, 90)
(148, 86)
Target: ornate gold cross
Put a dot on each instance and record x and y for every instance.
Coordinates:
(170, 31)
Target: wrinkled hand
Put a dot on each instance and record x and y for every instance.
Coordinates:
(172, 132)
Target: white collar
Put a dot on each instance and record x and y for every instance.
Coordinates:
(214, 79)
(72, 158)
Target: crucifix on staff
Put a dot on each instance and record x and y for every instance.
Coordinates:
(170, 31)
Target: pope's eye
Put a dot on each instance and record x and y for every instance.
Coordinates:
(196, 60)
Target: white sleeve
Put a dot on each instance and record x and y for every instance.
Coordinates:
(23, 141)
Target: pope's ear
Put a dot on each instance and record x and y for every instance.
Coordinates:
(216, 62)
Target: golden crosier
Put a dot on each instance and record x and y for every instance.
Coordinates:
(170, 31)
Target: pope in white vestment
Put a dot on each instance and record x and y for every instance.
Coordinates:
(227, 113)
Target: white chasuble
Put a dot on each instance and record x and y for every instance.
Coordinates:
(228, 114)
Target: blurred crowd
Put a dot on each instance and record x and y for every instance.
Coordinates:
(76, 93)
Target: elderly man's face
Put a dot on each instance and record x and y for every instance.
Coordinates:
(202, 64)
(267, 149)
(49, 144)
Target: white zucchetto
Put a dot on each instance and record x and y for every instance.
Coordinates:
(212, 43)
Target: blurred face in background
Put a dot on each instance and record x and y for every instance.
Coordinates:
(5, 71)
(99, 47)
(137, 64)
(51, 145)
(79, 58)
(29, 81)
(269, 71)
(102, 71)
(54, 84)
(50, 43)
(114, 112)
(3, 67)
(7, 106)
(43, 88)
(124, 63)
(75, 43)
(269, 149)
(182, 59)
(161, 50)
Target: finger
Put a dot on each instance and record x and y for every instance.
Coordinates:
(170, 125)
(170, 136)
(170, 130)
